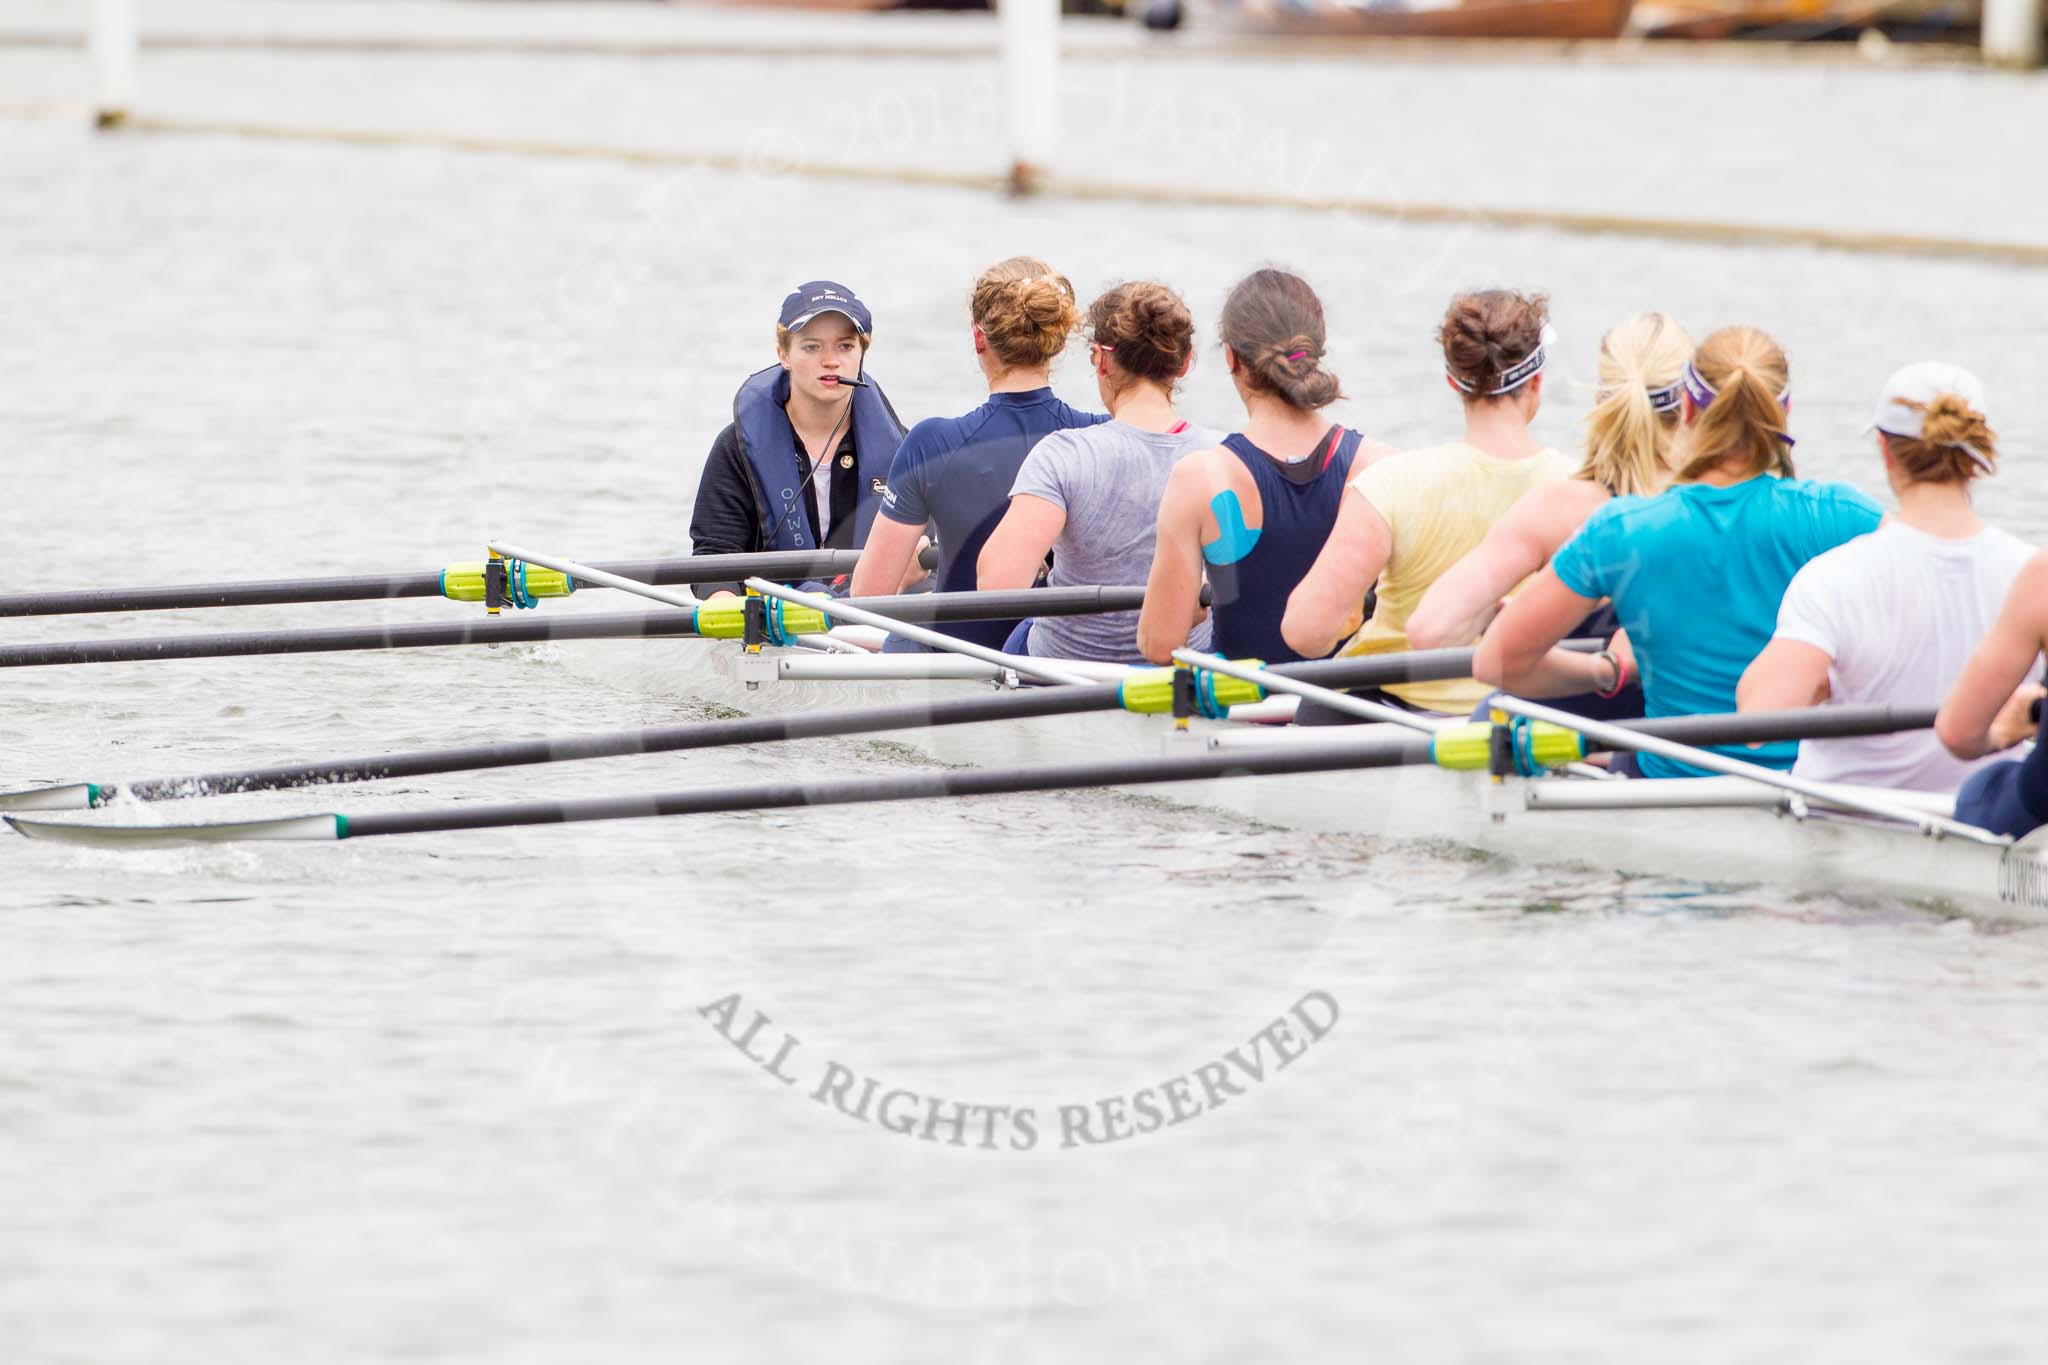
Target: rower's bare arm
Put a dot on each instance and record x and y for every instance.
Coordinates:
(1016, 549)
(1328, 605)
(1786, 675)
(1173, 592)
(1998, 666)
(887, 558)
(1463, 602)
(1518, 651)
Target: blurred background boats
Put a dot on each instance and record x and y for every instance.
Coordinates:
(1939, 21)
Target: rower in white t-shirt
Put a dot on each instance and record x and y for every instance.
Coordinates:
(1889, 618)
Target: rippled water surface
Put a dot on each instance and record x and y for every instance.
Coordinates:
(457, 1098)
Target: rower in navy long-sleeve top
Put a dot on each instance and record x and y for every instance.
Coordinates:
(954, 474)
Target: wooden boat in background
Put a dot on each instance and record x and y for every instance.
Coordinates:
(1471, 19)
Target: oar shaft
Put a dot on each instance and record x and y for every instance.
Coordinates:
(419, 635)
(908, 786)
(797, 564)
(1764, 727)
(710, 734)
(1026, 704)
(922, 607)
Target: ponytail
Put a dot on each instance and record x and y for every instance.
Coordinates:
(1273, 323)
(1629, 432)
(1740, 386)
(1955, 444)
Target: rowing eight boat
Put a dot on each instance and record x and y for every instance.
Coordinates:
(1716, 830)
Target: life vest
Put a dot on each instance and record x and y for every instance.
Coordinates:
(769, 443)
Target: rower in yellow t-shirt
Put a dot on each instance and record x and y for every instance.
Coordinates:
(1437, 504)
(1407, 518)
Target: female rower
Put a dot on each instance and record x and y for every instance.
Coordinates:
(1410, 517)
(1255, 509)
(763, 487)
(1987, 711)
(1695, 573)
(1628, 453)
(1891, 617)
(955, 473)
(1091, 496)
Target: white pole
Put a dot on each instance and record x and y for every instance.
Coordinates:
(2012, 32)
(113, 60)
(1030, 36)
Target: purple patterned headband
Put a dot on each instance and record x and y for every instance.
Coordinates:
(1703, 394)
(1517, 374)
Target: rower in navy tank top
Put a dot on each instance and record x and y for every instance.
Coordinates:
(1251, 572)
(1252, 513)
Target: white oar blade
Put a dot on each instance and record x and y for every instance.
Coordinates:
(70, 796)
(95, 835)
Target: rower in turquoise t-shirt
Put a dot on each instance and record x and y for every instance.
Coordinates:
(1696, 574)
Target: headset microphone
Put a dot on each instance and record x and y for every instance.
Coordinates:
(831, 445)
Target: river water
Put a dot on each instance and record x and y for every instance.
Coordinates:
(465, 1097)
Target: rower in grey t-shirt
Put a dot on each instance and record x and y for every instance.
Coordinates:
(1108, 479)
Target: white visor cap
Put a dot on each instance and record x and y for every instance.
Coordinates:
(1916, 387)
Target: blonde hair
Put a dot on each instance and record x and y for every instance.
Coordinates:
(1024, 310)
(1949, 430)
(1628, 435)
(1742, 426)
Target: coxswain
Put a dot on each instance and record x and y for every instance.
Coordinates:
(1890, 618)
(1089, 496)
(953, 475)
(1408, 518)
(803, 464)
(1253, 511)
(1695, 573)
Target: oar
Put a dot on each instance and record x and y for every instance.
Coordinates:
(719, 620)
(1339, 701)
(1340, 754)
(753, 796)
(825, 606)
(1619, 737)
(1274, 681)
(461, 581)
(1145, 691)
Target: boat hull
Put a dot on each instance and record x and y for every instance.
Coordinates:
(1737, 834)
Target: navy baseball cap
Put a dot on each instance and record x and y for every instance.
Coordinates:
(807, 301)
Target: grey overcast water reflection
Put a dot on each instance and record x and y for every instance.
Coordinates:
(453, 1098)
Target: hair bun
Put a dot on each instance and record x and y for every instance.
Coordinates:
(1273, 323)
(1024, 310)
(1486, 333)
